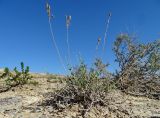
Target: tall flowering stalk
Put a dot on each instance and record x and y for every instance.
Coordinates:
(106, 30)
(68, 22)
(49, 13)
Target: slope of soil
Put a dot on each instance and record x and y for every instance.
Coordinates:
(25, 102)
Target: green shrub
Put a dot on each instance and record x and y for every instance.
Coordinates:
(16, 77)
(87, 87)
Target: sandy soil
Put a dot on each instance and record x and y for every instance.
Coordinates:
(24, 102)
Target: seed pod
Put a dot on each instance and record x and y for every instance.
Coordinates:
(48, 9)
(68, 21)
(98, 42)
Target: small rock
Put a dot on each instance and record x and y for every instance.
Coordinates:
(50, 109)
(37, 109)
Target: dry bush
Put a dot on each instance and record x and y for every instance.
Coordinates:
(139, 66)
(85, 87)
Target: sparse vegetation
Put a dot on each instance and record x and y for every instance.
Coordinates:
(86, 87)
(139, 74)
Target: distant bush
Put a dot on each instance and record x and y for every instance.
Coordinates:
(50, 76)
(139, 65)
(84, 86)
(16, 77)
(35, 83)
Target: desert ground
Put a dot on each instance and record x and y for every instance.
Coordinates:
(27, 102)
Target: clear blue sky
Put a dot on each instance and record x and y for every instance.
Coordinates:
(25, 35)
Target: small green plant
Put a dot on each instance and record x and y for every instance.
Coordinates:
(16, 77)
